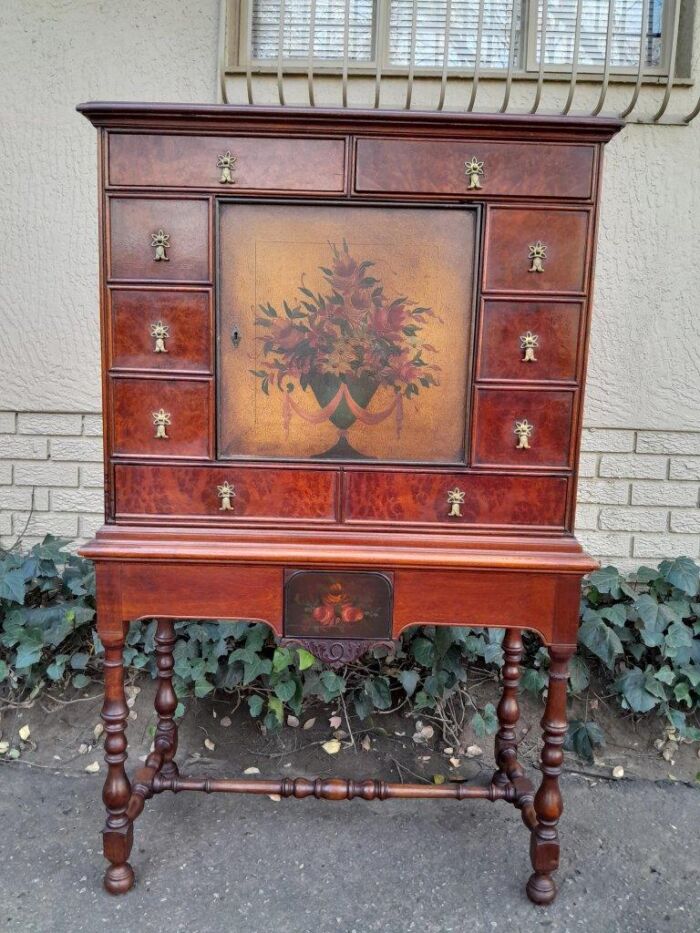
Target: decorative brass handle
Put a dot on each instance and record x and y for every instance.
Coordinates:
(529, 343)
(226, 492)
(455, 499)
(538, 254)
(160, 241)
(473, 169)
(523, 431)
(161, 419)
(226, 163)
(160, 332)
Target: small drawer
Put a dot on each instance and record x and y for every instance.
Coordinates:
(161, 417)
(532, 250)
(160, 330)
(454, 499)
(474, 168)
(522, 428)
(159, 239)
(227, 162)
(528, 341)
(226, 493)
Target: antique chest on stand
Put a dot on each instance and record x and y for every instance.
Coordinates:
(343, 364)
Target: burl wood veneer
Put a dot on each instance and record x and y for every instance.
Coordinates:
(343, 359)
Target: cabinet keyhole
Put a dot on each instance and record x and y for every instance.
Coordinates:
(235, 337)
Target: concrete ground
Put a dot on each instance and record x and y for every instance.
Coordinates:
(631, 862)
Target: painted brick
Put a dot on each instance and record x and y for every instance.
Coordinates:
(5, 473)
(605, 543)
(77, 448)
(49, 473)
(92, 425)
(8, 422)
(92, 474)
(668, 545)
(48, 423)
(6, 524)
(651, 492)
(668, 442)
(631, 519)
(686, 521)
(607, 440)
(88, 524)
(687, 468)
(633, 466)
(603, 491)
(15, 497)
(588, 464)
(587, 516)
(64, 526)
(13, 447)
(77, 500)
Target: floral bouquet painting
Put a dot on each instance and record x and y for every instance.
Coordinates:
(343, 344)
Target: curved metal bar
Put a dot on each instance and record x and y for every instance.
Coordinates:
(280, 44)
(543, 50)
(222, 97)
(312, 38)
(412, 57)
(574, 58)
(606, 68)
(671, 66)
(693, 113)
(346, 51)
(446, 54)
(477, 58)
(642, 62)
(249, 56)
(511, 55)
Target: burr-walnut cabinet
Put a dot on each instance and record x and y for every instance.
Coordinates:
(343, 358)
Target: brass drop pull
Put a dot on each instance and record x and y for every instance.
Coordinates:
(529, 343)
(160, 333)
(523, 431)
(160, 241)
(161, 419)
(455, 500)
(226, 492)
(538, 254)
(226, 163)
(473, 169)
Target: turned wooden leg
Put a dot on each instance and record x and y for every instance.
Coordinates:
(544, 840)
(506, 742)
(166, 699)
(118, 832)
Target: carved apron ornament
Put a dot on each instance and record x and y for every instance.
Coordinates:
(159, 332)
(160, 241)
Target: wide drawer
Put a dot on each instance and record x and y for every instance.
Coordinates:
(432, 498)
(472, 167)
(235, 162)
(522, 428)
(161, 417)
(160, 329)
(159, 239)
(528, 341)
(535, 250)
(226, 493)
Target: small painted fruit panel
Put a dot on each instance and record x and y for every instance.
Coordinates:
(522, 428)
(337, 604)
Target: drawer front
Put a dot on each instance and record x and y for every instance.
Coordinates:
(159, 239)
(226, 493)
(454, 498)
(160, 329)
(472, 167)
(161, 417)
(522, 428)
(528, 340)
(532, 250)
(227, 162)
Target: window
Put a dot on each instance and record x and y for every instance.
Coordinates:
(370, 33)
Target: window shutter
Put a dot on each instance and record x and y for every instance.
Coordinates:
(329, 30)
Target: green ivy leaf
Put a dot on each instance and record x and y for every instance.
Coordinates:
(633, 687)
(683, 573)
(80, 681)
(306, 659)
(423, 650)
(378, 691)
(583, 737)
(12, 586)
(274, 705)
(285, 690)
(606, 580)
(601, 640)
(409, 681)
(665, 675)
(578, 674)
(281, 659)
(255, 705)
(4, 670)
(202, 688)
(615, 614)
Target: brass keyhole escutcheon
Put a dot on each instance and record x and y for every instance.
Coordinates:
(235, 337)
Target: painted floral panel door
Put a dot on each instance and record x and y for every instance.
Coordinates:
(345, 331)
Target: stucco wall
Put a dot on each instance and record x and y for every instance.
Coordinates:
(644, 371)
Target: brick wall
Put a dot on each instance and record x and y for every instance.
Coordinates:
(637, 501)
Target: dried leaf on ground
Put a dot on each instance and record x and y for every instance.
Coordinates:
(275, 797)
(335, 722)
(225, 721)
(209, 744)
(252, 771)
(438, 779)
(474, 751)
(332, 747)
(366, 743)
(310, 723)
(24, 733)
(93, 767)
(292, 722)
(618, 772)
(98, 730)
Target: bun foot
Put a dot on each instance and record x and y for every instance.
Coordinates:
(119, 878)
(541, 889)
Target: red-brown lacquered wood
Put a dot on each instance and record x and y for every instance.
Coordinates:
(421, 497)
(504, 321)
(187, 402)
(389, 166)
(263, 163)
(258, 493)
(498, 411)
(165, 743)
(544, 841)
(510, 232)
(187, 316)
(506, 742)
(132, 221)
